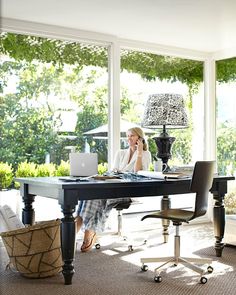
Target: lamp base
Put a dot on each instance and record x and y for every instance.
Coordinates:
(164, 143)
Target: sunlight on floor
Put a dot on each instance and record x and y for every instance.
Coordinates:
(193, 239)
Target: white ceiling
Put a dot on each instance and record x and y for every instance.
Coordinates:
(203, 25)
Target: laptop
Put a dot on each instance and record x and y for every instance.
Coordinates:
(83, 164)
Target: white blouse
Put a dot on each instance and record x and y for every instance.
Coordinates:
(122, 158)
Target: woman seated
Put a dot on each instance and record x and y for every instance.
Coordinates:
(93, 214)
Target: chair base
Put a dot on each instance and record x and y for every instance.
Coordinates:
(186, 261)
(177, 259)
(121, 236)
(120, 240)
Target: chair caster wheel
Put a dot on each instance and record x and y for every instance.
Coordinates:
(144, 267)
(130, 248)
(97, 246)
(203, 280)
(210, 269)
(158, 279)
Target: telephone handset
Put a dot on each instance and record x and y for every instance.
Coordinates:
(143, 140)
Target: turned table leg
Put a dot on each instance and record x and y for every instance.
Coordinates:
(219, 225)
(68, 244)
(219, 190)
(28, 213)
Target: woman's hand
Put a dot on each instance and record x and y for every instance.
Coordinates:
(140, 147)
(138, 163)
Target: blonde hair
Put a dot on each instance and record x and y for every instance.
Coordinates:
(138, 131)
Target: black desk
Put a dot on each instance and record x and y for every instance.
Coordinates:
(69, 193)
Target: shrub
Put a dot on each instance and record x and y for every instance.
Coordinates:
(63, 169)
(44, 170)
(230, 203)
(151, 167)
(25, 169)
(6, 175)
(102, 168)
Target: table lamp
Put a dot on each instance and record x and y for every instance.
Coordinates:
(165, 110)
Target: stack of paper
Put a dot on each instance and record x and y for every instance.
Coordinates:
(187, 170)
(173, 175)
(152, 174)
(160, 175)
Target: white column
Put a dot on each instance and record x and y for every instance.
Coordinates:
(210, 109)
(114, 102)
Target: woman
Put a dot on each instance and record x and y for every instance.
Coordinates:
(92, 214)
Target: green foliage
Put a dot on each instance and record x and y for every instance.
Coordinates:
(230, 202)
(149, 66)
(57, 52)
(152, 66)
(58, 151)
(29, 169)
(25, 169)
(182, 146)
(226, 70)
(27, 133)
(53, 68)
(181, 149)
(151, 167)
(29, 48)
(6, 175)
(88, 119)
(44, 170)
(226, 152)
(63, 169)
(102, 168)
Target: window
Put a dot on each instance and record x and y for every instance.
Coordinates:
(53, 92)
(146, 73)
(226, 126)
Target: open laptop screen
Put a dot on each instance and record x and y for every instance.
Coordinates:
(83, 164)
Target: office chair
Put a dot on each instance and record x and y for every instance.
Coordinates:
(200, 184)
(119, 208)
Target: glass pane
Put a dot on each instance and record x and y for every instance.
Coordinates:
(226, 126)
(53, 91)
(144, 74)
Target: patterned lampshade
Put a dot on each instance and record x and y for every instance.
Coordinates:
(165, 109)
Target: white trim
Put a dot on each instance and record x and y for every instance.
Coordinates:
(210, 110)
(114, 102)
(50, 31)
(164, 50)
(224, 54)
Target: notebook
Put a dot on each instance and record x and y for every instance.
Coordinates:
(83, 164)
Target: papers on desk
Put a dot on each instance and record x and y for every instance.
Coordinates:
(160, 175)
(151, 174)
(186, 170)
(106, 177)
(176, 175)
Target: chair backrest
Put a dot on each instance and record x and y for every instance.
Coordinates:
(201, 183)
